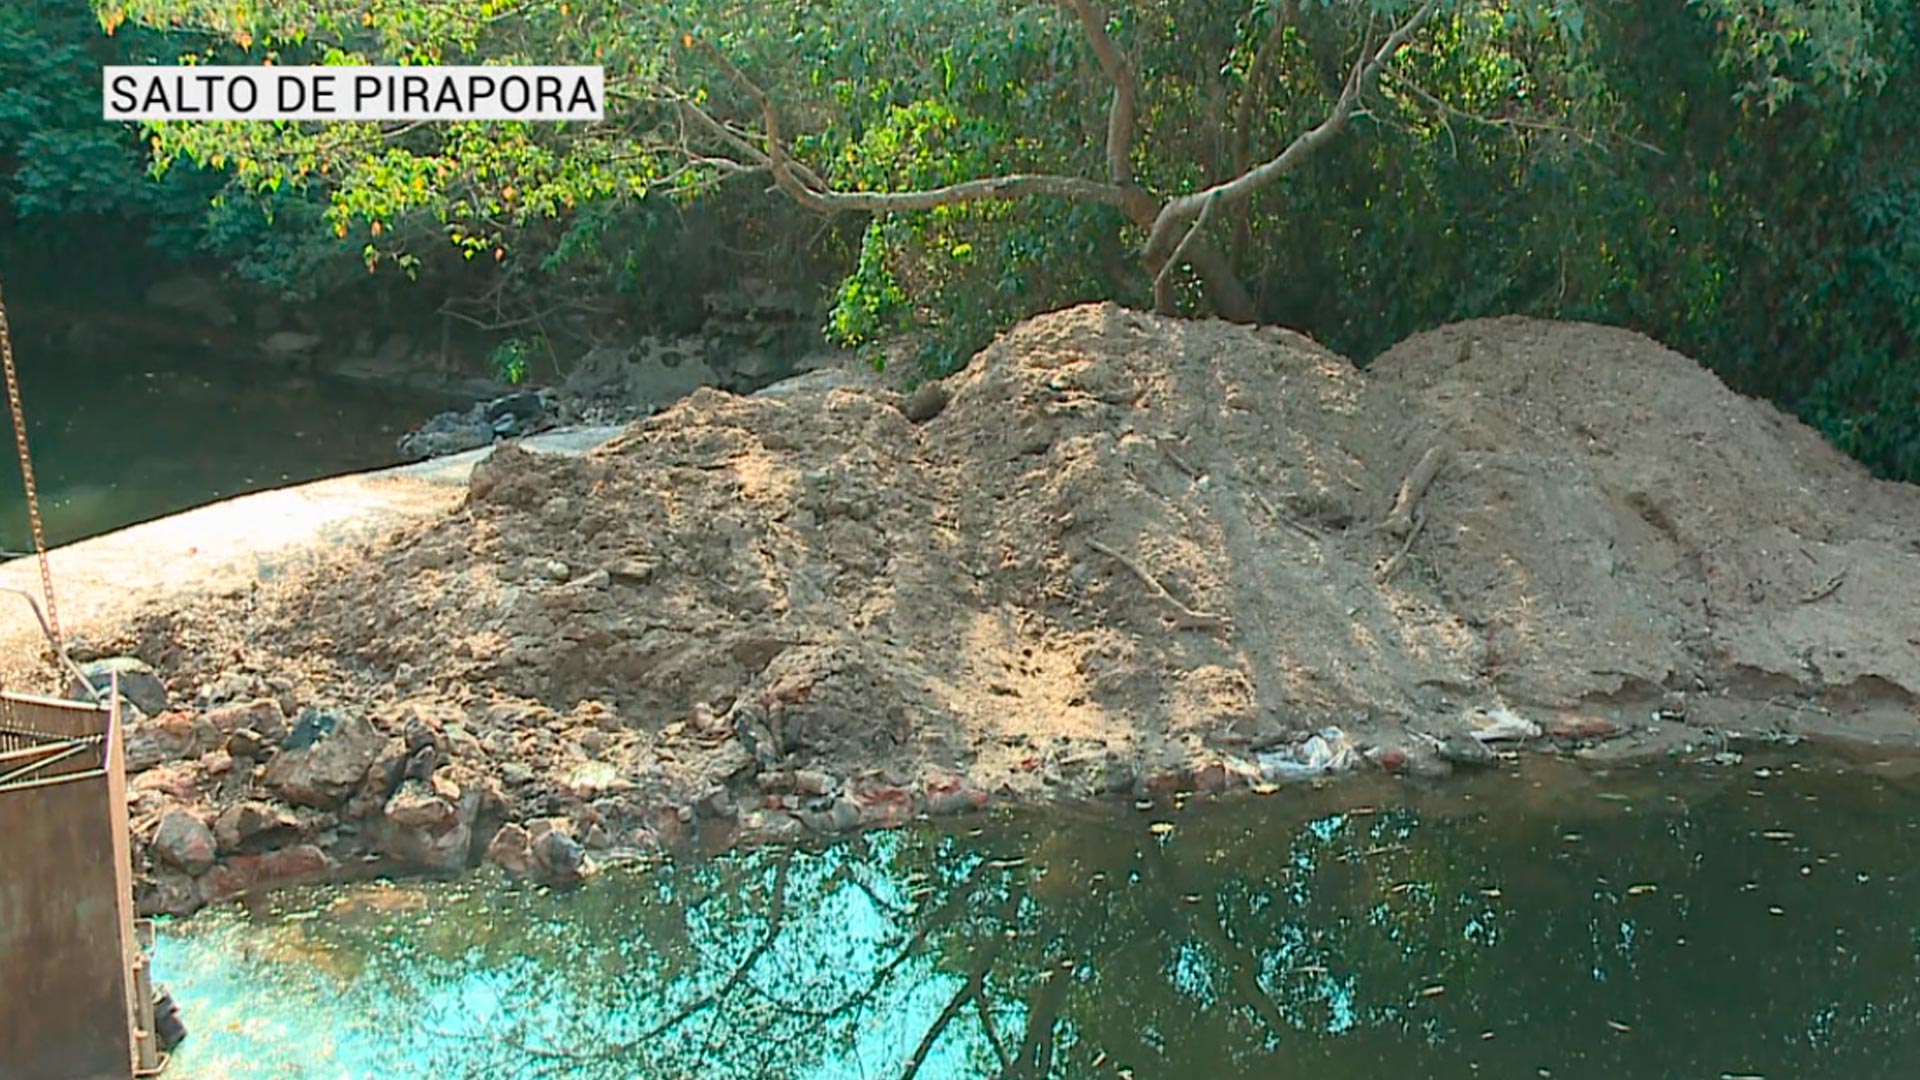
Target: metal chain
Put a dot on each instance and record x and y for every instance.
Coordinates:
(26, 476)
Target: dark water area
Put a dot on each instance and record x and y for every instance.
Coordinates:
(137, 434)
(1759, 920)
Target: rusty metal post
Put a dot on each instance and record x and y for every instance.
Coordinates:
(70, 964)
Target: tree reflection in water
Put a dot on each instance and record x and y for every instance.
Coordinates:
(1586, 932)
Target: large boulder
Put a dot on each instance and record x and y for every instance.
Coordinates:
(324, 758)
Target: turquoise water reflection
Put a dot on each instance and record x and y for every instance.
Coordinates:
(1758, 921)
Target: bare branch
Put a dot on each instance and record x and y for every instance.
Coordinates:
(1513, 125)
(817, 196)
(1186, 207)
(1123, 115)
(1162, 292)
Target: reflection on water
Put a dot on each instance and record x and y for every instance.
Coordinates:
(1757, 921)
(124, 438)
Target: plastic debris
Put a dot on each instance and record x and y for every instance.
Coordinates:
(1500, 724)
(1327, 751)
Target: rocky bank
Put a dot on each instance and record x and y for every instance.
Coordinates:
(1117, 554)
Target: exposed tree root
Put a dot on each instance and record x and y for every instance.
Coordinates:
(1400, 520)
(1184, 617)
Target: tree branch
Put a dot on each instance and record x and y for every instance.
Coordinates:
(1185, 208)
(1123, 115)
(1163, 301)
(818, 197)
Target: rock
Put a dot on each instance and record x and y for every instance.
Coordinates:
(430, 824)
(511, 849)
(248, 744)
(524, 407)
(248, 825)
(245, 873)
(170, 892)
(559, 857)
(165, 738)
(811, 782)
(184, 841)
(447, 433)
(324, 758)
(887, 807)
(138, 683)
(262, 715)
(595, 779)
(715, 802)
(414, 805)
(926, 402)
(1462, 749)
(842, 815)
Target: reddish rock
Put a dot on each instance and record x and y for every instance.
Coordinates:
(249, 823)
(1213, 776)
(177, 780)
(168, 737)
(261, 715)
(886, 807)
(245, 873)
(1574, 728)
(1167, 781)
(953, 795)
(511, 849)
(430, 824)
(1391, 758)
(184, 841)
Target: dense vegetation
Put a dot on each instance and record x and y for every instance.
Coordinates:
(1738, 178)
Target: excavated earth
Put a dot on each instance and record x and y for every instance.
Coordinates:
(1116, 554)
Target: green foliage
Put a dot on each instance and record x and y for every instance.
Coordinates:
(511, 360)
(1735, 177)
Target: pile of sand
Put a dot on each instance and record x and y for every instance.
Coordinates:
(1126, 546)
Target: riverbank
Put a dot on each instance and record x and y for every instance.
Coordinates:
(1117, 556)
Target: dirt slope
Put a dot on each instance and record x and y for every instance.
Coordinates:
(1129, 552)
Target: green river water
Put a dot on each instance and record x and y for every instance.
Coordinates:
(1752, 920)
(116, 441)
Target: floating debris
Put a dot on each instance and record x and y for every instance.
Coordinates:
(1160, 828)
(1434, 991)
(1776, 834)
(1619, 1027)
(1642, 889)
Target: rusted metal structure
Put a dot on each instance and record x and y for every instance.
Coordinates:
(76, 1002)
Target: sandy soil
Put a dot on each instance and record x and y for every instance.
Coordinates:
(1122, 554)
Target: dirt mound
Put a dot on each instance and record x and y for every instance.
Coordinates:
(1127, 549)
(1617, 520)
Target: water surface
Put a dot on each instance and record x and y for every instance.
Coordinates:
(126, 437)
(1753, 921)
